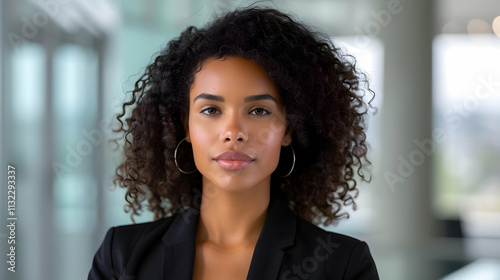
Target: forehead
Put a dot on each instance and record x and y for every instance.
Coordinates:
(233, 74)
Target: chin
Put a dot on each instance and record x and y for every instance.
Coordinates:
(236, 184)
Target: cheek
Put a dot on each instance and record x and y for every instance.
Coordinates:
(271, 134)
(269, 142)
(200, 136)
(272, 151)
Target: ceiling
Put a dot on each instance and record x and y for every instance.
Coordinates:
(334, 17)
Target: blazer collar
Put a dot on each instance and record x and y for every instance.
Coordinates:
(277, 234)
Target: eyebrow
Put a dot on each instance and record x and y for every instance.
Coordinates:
(251, 98)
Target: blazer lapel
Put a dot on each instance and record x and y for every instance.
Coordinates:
(277, 234)
(180, 250)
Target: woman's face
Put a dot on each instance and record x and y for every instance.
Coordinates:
(236, 125)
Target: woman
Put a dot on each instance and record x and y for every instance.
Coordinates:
(244, 135)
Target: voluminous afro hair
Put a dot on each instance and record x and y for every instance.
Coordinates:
(322, 91)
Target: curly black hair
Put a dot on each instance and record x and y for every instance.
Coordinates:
(322, 90)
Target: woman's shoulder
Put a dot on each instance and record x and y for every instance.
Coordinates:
(127, 234)
(308, 230)
(345, 256)
(125, 246)
(139, 227)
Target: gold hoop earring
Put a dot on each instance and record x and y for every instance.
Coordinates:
(175, 159)
(293, 165)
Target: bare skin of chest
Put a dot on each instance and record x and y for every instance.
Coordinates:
(213, 262)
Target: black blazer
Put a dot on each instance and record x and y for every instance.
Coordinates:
(288, 248)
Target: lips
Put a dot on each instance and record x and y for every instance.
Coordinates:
(232, 160)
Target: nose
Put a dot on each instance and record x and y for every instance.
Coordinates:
(234, 129)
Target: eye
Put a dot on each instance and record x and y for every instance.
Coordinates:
(210, 111)
(259, 112)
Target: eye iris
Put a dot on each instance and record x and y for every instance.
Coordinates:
(259, 111)
(211, 111)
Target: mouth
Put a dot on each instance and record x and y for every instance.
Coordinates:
(232, 160)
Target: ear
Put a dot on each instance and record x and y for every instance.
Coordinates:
(287, 138)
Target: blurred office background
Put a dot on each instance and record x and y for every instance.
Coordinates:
(432, 210)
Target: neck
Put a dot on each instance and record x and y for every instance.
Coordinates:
(229, 219)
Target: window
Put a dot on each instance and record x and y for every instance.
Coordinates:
(467, 112)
